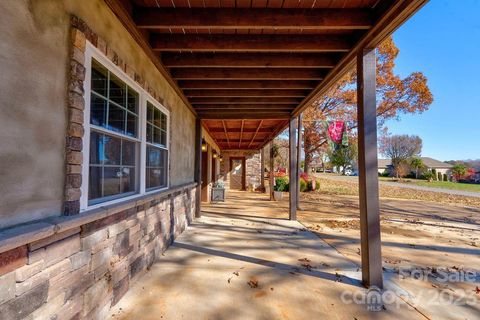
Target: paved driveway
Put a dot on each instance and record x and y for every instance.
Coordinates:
(233, 264)
(405, 185)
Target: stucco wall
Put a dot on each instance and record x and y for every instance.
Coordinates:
(33, 64)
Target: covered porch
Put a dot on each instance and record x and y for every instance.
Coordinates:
(142, 100)
(244, 259)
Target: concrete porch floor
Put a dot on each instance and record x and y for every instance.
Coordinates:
(244, 260)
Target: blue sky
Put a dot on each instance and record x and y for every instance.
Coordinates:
(443, 41)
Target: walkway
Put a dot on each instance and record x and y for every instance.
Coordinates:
(233, 263)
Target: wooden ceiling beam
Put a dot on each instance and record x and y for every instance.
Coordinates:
(247, 84)
(241, 134)
(232, 106)
(246, 93)
(252, 115)
(245, 100)
(253, 18)
(247, 74)
(255, 134)
(236, 130)
(238, 141)
(249, 60)
(226, 134)
(251, 43)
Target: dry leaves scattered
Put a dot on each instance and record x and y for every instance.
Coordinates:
(253, 283)
(336, 187)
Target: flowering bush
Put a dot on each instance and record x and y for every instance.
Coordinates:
(305, 176)
(279, 174)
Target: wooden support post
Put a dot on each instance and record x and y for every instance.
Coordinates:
(299, 157)
(198, 167)
(293, 189)
(368, 164)
(271, 177)
(262, 170)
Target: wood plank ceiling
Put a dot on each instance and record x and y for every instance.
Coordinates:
(246, 66)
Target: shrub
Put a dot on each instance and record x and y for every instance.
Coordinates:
(385, 173)
(429, 175)
(411, 175)
(281, 184)
(309, 185)
(303, 185)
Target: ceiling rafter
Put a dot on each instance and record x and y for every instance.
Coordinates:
(253, 18)
(226, 133)
(255, 134)
(247, 74)
(241, 134)
(249, 60)
(250, 43)
(247, 84)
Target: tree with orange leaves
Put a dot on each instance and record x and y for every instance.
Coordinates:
(395, 96)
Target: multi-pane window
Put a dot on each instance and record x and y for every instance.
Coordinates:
(126, 125)
(113, 144)
(157, 154)
(113, 105)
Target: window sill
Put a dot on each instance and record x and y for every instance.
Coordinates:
(18, 236)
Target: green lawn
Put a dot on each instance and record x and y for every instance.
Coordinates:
(438, 184)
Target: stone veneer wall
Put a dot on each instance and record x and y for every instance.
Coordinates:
(78, 267)
(252, 170)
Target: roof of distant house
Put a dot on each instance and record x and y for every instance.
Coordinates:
(429, 162)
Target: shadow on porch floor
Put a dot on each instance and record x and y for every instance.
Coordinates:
(244, 260)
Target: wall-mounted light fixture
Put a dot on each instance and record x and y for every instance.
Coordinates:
(215, 155)
(204, 146)
(220, 158)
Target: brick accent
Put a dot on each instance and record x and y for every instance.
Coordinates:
(80, 33)
(13, 259)
(75, 130)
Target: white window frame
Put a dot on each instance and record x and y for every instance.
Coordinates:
(92, 52)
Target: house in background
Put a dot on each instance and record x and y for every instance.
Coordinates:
(430, 164)
(476, 177)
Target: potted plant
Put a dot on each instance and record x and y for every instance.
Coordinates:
(218, 191)
(281, 185)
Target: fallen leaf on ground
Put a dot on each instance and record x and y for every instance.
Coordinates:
(307, 266)
(253, 284)
(304, 260)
